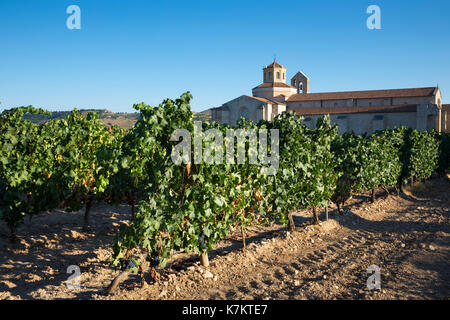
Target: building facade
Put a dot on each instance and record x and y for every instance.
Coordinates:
(358, 111)
(445, 117)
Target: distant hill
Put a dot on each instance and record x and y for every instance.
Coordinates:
(203, 116)
(109, 118)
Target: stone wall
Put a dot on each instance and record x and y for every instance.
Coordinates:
(362, 102)
(425, 118)
(231, 111)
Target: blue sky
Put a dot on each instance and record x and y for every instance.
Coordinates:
(132, 51)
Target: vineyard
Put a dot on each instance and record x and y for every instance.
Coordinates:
(77, 162)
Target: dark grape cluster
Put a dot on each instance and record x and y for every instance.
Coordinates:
(201, 239)
(153, 259)
(127, 264)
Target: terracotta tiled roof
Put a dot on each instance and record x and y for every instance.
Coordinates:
(257, 98)
(280, 97)
(267, 100)
(371, 94)
(274, 84)
(275, 65)
(348, 110)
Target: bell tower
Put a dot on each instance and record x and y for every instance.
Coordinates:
(274, 72)
(301, 82)
(274, 84)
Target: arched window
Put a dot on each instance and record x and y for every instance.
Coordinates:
(244, 112)
(270, 75)
(439, 102)
(300, 87)
(278, 75)
(284, 76)
(295, 83)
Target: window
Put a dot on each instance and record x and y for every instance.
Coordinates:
(284, 76)
(294, 83)
(278, 75)
(300, 87)
(270, 75)
(244, 112)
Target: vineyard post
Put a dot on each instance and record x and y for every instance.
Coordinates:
(401, 187)
(204, 259)
(326, 211)
(372, 197)
(142, 276)
(243, 238)
(132, 212)
(291, 224)
(315, 216)
(385, 189)
(132, 202)
(86, 214)
(13, 236)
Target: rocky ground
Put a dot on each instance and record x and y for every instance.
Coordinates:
(406, 236)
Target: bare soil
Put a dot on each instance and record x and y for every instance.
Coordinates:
(406, 236)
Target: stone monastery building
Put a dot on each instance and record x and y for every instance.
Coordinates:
(360, 111)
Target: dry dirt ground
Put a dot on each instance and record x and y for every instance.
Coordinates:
(406, 236)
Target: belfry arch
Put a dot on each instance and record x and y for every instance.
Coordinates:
(301, 82)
